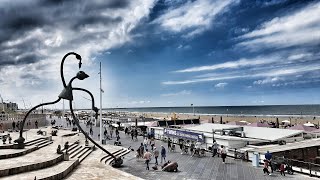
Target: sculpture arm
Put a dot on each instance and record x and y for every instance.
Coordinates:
(62, 62)
(25, 117)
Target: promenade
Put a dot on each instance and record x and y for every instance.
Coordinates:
(192, 168)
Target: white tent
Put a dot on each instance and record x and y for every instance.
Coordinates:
(285, 121)
(309, 124)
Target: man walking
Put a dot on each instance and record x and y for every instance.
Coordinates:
(214, 148)
(156, 154)
(13, 125)
(147, 156)
(163, 153)
(268, 157)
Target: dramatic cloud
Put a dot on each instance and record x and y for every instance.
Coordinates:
(193, 17)
(34, 35)
(295, 29)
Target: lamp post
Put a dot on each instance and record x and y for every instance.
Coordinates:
(193, 109)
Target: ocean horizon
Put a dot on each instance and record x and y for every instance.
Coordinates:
(259, 110)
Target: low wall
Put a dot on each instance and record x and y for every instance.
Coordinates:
(7, 119)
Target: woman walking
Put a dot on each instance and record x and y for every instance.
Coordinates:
(223, 153)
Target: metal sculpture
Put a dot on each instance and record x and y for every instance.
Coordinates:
(67, 93)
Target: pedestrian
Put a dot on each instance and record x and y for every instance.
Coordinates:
(268, 157)
(163, 153)
(126, 131)
(132, 134)
(36, 123)
(147, 156)
(141, 148)
(169, 143)
(265, 167)
(111, 132)
(282, 169)
(223, 153)
(152, 142)
(91, 131)
(145, 143)
(105, 133)
(214, 148)
(9, 138)
(18, 125)
(117, 132)
(13, 125)
(191, 148)
(156, 154)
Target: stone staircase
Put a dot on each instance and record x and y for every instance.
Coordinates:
(108, 159)
(43, 164)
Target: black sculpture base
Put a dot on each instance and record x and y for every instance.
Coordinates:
(117, 162)
(19, 143)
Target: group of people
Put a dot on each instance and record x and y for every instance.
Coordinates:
(145, 153)
(267, 162)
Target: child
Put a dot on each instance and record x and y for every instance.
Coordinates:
(282, 169)
(265, 167)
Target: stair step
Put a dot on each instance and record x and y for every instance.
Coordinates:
(115, 154)
(76, 153)
(34, 141)
(75, 149)
(23, 164)
(109, 155)
(85, 155)
(45, 144)
(58, 171)
(40, 143)
(124, 152)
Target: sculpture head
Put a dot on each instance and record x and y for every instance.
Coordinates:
(82, 75)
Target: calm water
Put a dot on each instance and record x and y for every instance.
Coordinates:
(309, 110)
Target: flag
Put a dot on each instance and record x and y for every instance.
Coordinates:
(102, 90)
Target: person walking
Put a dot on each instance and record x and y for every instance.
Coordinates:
(265, 167)
(214, 148)
(145, 143)
(223, 153)
(268, 157)
(156, 154)
(91, 131)
(36, 123)
(141, 148)
(132, 134)
(147, 156)
(13, 125)
(169, 143)
(282, 169)
(163, 153)
(152, 142)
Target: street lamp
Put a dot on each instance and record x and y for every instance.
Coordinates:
(193, 109)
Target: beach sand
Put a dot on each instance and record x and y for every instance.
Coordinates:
(231, 118)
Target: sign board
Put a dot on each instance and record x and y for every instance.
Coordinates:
(184, 134)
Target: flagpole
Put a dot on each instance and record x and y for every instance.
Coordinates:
(100, 108)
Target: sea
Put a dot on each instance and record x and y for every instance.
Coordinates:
(263, 110)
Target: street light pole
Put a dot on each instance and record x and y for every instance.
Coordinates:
(100, 107)
(192, 109)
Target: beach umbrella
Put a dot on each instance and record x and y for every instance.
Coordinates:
(303, 128)
(285, 121)
(309, 124)
(244, 122)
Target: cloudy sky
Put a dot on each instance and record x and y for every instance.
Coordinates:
(162, 53)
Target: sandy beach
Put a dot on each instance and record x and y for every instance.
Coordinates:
(231, 118)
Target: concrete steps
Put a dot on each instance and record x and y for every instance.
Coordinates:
(118, 153)
(25, 165)
(58, 171)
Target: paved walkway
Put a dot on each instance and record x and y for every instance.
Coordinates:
(203, 168)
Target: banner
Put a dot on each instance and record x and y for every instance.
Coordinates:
(184, 134)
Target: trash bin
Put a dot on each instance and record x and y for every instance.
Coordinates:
(255, 159)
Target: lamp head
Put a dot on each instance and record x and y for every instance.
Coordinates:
(95, 109)
(79, 58)
(82, 75)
